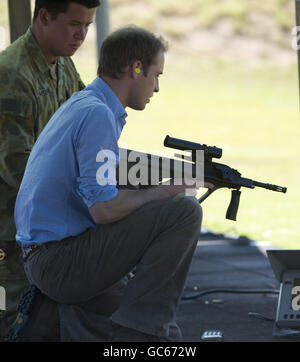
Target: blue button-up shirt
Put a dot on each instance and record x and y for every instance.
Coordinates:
(60, 181)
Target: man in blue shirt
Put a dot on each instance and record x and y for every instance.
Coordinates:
(80, 236)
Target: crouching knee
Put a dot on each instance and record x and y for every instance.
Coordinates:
(189, 207)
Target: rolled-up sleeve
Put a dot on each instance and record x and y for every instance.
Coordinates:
(96, 146)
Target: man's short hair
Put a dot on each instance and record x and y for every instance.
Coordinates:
(56, 7)
(126, 45)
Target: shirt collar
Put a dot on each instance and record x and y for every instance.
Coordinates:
(37, 54)
(111, 99)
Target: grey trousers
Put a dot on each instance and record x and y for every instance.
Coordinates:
(158, 240)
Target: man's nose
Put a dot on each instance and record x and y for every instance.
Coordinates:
(81, 33)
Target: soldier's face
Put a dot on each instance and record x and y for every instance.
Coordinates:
(68, 30)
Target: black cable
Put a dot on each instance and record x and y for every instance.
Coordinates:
(226, 290)
(261, 316)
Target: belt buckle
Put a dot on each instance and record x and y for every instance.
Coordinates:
(2, 254)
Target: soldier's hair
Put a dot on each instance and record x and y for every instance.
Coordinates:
(56, 7)
(126, 45)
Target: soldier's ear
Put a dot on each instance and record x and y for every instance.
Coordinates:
(44, 16)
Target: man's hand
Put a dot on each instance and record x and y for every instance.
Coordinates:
(169, 188)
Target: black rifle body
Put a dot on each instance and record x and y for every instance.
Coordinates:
(218, 174)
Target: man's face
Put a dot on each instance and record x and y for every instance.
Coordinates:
(146, 86)
(68, 30)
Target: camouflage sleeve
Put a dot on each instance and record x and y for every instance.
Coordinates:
(81, 85)
(17, 114)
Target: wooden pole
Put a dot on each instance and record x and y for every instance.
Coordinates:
(102, 23)
(19, 17)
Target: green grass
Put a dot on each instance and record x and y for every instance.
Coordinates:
(253, 115)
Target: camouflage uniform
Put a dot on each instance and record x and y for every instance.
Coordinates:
(30, 92)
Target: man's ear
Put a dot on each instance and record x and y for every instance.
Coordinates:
(44, 16)
(136, 69)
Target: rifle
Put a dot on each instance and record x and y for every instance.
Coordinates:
(152, 169)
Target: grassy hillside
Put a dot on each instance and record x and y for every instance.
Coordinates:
(206, 13)
(229, 29)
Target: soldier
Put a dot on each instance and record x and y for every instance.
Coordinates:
(37, 76)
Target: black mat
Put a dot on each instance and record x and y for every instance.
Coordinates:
(230, 264)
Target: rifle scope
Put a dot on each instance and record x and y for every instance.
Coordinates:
(209, 151)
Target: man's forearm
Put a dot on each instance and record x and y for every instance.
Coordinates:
(122, 205)
(128, 201)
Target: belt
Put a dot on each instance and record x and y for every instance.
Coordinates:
(29, 251)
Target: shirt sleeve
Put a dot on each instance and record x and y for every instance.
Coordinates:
(17, 112)
(97, 152)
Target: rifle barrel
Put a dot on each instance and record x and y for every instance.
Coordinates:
(270, 187)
